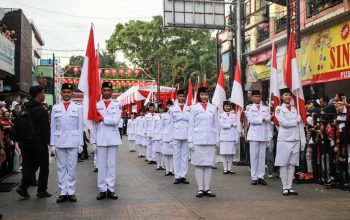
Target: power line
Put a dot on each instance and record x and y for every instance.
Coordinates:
(76, 16)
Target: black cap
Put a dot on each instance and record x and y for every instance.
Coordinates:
(151, 105)
(169, 102)
(107, 85)
(256, 92)
(67, 86)
(34, 90)
(285, 90)
(180, 92)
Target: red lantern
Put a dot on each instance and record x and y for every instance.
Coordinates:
(133, 82)
(128, 84)
(65, 81)
(121, 72)
(123, 83)
(75, 70)
(129, 72)
(136, 72)
(70, 81)
(107, 71)
(114, 83)
(114, 71)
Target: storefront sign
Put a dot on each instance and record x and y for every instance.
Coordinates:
(7, 55)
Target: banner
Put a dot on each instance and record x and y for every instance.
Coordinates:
(7, 55)
(325, 55)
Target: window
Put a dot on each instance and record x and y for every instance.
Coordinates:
(247, 8)
(316, 6)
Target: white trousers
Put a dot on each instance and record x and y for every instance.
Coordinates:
(180, 158)
(66, 169)
(168, 162)
(106, 159)
(150, 153)
(132, 145)
(203, 177)
(227, 162)
(287, 176)
(257, 159)
(95, 158)
(159, 159)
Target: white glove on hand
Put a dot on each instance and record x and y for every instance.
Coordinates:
(80, 149)
(53, 150)
(93, 148)
(299, 119)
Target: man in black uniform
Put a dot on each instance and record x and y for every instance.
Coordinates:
(35, 151)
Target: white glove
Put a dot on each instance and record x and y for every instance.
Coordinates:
(53, 150)
(93, 148)
(299, 119)
(80, 149)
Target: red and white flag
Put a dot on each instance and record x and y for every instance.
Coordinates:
(189, 93)
(274, 84)
(292, 78)
(237, 95)
(219, 94)
(195, 93)
(89, 82)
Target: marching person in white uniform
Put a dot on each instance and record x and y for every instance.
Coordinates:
(140, 134)
(131, 132)
(288, 142)
(179, 116)
(203, 133)
(157, 137)
(105, 135)
(259, 120)
(67, 140)
(148, 128)
(167, 149)
(228, 136)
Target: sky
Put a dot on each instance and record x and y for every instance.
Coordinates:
(65, 24)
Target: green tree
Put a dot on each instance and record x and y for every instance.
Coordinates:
(182, 53)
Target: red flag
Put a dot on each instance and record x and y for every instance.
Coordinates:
(89, 82)
(292, 78)
(274, 85)
(237, 95)
(219, 94)
(189, 93)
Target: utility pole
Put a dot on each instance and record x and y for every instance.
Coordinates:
(238, 32)
(158, 83)
(54, 79)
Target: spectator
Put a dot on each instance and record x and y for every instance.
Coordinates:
(35, 151)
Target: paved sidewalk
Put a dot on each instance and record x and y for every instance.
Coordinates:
(145, 193)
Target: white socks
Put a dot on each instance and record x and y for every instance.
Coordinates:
(168, 162)
(227, 162)
(159, 159)
(287, 176)
(203, 177)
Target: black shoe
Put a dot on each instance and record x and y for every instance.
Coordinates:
(72, 198)
(162, 168)
(184, 180)
(158, 168)
(43, 194)
(34, 183)
(254, 182)
(177, 181)
(61, 199)
(22, 192)
(146, 160)
(285, 192)
(139, 156)
(200, 193)
(80, 160)
(214, 167)
(209, 193)
(171, 174)
(112, 195)
(292, 192)
(167, 174)
(231, 172)
(95, 170)
(101, 195)
(225, 172)
(262, 182)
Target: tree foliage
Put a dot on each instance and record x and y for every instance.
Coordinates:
(182, 53)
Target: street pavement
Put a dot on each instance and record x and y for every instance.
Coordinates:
(145, 193)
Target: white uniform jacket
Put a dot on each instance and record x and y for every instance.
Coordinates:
(106, 133)
(179, 120)
(289, 128)
(148, 124)
(139, 126)
(258, 130)
(67, 126)
(167, 127)
(203, 125)
(157, 127)
(228, 127)
(131, 129)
